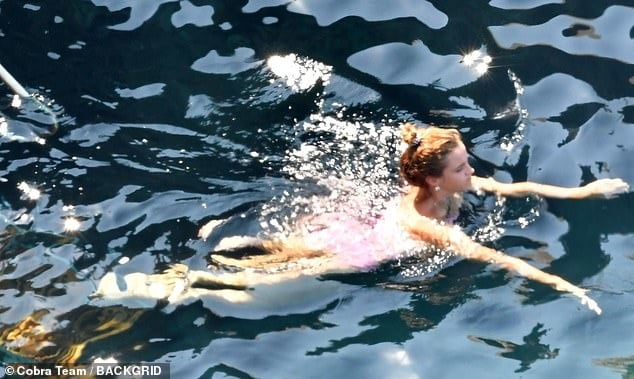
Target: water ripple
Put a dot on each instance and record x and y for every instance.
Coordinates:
(527, 4)
(400, 63)
(607, 36)
(191, 14)
(331, 11)
(214, 63)
(140, 12)
(251, 114)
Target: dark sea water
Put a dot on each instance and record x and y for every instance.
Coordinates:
(171, 114)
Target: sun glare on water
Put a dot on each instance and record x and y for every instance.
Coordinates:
(71, 224)
(298, 73)
(477, 60)
(29, 191)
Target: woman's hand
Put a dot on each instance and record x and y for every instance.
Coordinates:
(586, 300)
(607, 188)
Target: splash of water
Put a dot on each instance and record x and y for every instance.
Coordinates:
(338, 167)
(335, 165)
(493, 225)
(427, 261)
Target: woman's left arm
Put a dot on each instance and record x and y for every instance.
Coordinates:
(607, 188)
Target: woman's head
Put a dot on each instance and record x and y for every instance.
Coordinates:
(434, 156)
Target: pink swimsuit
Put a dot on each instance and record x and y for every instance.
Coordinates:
(361, 244)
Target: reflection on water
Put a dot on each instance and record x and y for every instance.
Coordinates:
(329, 12)
(416, 64)
(30, 119)
(64, 338)
(607, 36)
(139, 13)
(620, 365)
(213, 63)
(191, 14)
(171, 114)
(527, 353)
(528, 4)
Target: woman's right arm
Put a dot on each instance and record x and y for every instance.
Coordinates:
(453, 238)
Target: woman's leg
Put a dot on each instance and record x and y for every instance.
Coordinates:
(280, 254)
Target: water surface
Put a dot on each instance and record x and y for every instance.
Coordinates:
(175, 113)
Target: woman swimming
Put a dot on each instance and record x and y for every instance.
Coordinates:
(436, 168)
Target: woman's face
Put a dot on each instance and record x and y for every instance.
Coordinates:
(456, 177)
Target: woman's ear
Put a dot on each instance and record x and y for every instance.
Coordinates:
(432, 181)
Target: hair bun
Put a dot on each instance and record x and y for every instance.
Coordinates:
(410, 132)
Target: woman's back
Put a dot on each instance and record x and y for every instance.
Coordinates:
(361, 243)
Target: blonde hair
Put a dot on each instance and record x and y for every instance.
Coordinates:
(426, 152)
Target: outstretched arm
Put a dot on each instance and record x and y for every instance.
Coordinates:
(451, 237)
(601, 188)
